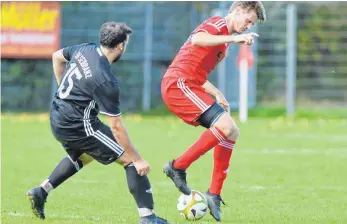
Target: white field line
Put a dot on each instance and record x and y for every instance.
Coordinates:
(89, 181)
(322, 137)
(298, 151)
(261, 188)
(77, 217)
(338, 152)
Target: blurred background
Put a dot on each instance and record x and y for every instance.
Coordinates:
(315, 58)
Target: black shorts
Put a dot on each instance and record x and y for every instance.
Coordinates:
(101, 145)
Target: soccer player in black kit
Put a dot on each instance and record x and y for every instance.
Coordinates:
(87, 86)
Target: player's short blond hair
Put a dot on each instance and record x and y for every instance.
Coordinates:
(257, 6)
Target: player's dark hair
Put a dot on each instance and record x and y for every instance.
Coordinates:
(113, 33)
(257, 6)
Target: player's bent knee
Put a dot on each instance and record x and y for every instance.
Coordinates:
(235, 134)
(211, 115)
(228, 126)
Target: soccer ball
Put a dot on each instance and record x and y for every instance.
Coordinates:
(193, 206)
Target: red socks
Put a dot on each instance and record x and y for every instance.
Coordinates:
(222, 155)
(209, 139)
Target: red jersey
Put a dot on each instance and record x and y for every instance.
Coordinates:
(197, 62)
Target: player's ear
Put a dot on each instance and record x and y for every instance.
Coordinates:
(119, 47)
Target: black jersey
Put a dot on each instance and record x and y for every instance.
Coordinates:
(87, 88)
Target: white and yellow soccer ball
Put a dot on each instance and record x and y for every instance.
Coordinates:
(193, 206)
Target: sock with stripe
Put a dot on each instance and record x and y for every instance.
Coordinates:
(222, 154)
(65, 169)
(140, 188)
(209, 139)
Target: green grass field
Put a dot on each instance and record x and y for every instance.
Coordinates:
(282, 171)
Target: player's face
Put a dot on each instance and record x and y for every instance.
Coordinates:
(244, 20)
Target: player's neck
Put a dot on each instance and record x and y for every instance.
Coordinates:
(107, 53)
(229, 23)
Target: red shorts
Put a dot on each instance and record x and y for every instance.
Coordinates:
(185, 97)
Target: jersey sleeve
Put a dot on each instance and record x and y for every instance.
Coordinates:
(212, 26)
(106, 96)
(70, 50)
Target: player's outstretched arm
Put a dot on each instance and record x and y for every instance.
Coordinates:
(204, 39)
(59, 64)
(121, 135)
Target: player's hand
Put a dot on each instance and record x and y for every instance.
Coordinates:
(142, 167)
(245, 38)
(223, 102)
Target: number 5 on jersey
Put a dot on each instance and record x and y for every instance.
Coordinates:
(73, 70)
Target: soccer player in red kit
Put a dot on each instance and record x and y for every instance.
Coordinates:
(188, 94)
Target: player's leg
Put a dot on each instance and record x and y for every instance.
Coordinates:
(222, 152)
(64, 170)
(141, 190)
(139, 186)
(222, 155)
(190, 102)
(208, 140)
